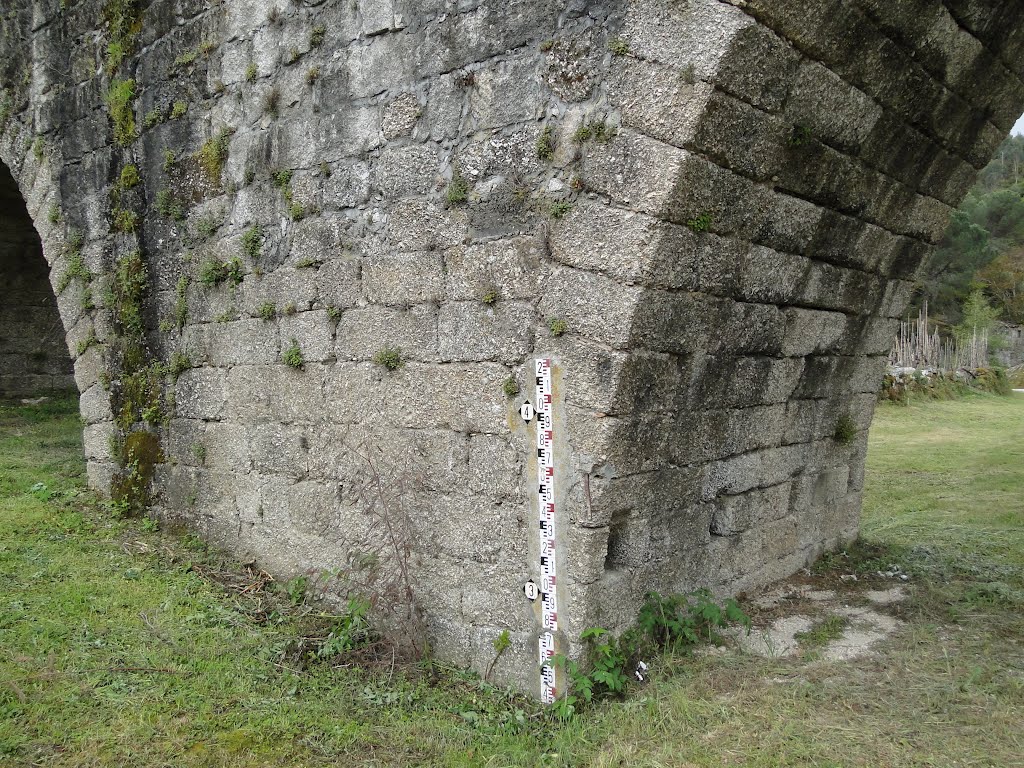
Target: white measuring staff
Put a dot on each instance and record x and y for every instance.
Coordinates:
(546, 510)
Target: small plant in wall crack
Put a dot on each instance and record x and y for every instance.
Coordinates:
(490, 295)
(178, 364)
(557, 326)
(351, 630)
(681, 621)
(214, 272)
(272, 102)
(129, 177)
(120, 98)
(214, 154)
(169, 206)
(389, 357)
(618, 46)
(458, 189)
(559, 208)
(800, 135)
(701, 223)
(381, 571)
(252, 242)
(292, 356)
(608, 659)
(846, 430)
(267, 311)
(546, 144)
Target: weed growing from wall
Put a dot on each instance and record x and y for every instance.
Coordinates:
(252, 242)
(546, 144)
(799, 136)
(136, 392)
(674, 622)
(618, 47)
(124, 22)
(846, 430)
(129, 177)
(213, 272)
(701, 223)
(120, 104)
(178, 364)
(213, 154)
(272, 102)
(559, 208)
(292, 356)
(76, 269)
(169, 206)
(557, 326)
(207, 226)
(458, 189)
(125, 220)
(389, 357)
(379, 565)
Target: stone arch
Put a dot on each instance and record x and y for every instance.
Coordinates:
(722, 202)
(34, 356)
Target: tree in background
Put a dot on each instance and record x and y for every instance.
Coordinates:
(963, 250)
(983, 247)
(978, 317)
(1003, 279)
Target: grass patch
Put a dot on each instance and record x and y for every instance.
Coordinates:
(114, 631)
(823, 632)
(126, 645)
(946, 482)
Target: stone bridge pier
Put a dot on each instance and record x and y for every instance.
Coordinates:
(306, 255)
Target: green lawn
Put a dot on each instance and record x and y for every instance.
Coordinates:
(121, 645)
(949, 475)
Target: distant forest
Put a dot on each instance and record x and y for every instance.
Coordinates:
(983, 248)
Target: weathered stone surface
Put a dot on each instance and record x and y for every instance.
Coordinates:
(706, 214)
(469, 330)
